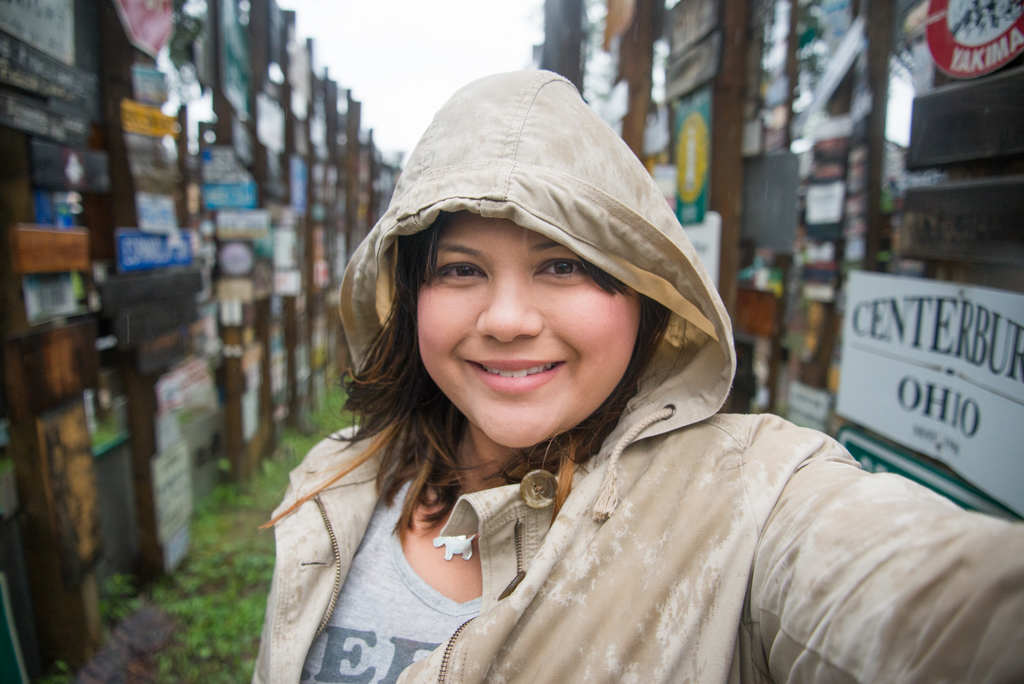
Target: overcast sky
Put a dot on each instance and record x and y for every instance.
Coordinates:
(404, 58)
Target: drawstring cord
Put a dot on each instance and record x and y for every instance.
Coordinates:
(608, 497)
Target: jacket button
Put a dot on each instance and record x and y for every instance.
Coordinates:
(538, 488)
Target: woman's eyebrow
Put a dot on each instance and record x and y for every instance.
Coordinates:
(550, 244)
(459, 249)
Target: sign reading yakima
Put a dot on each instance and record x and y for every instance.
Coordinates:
(939, 368)
(970, 38)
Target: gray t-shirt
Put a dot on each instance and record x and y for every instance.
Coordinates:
(387, 617)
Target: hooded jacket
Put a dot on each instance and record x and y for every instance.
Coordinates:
(694, 546)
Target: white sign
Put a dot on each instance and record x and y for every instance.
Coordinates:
(288, 283)
(269, 123)
(809, 406)
(285, 242)
(825, 203)
(243, 225)
(706, 239)
(939, 368)
(49, 296)
(157, 213)
(175, 549)
(45, 24)
(172, 490)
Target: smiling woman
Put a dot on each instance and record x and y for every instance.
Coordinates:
(540, 487)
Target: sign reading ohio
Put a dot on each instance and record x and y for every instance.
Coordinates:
(939, 368)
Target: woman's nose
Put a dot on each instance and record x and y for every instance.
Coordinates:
(510, 312)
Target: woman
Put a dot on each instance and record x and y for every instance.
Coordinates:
(540, 488)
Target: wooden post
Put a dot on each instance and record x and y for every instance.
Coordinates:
(563, 39)
(726, 183)
(636, 56)
(259, 32)
(352, 146)
(879, 32)
(116, 58)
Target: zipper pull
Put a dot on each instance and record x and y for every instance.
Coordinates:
(513, 584)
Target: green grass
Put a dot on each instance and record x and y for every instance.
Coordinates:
(218, 595)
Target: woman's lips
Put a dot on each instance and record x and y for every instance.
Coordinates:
(516, 377)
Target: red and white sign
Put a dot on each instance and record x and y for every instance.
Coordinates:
(971, 38)
(147, 23)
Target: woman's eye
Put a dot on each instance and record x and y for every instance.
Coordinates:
(459, 271)
(563, 267)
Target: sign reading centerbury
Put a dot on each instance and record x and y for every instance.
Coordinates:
(939, 367)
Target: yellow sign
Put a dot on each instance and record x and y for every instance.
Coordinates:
(146, 120)
(692, 154)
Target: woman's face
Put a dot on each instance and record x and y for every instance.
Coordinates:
(517, 335)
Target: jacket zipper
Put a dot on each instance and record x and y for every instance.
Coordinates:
(520, 571)
(442, 673)
(520, 574)
(337, 568)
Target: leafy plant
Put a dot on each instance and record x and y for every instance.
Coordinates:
(120, 598)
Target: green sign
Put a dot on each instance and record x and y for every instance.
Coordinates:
(877, 457)
(234, 55)
(693, 155)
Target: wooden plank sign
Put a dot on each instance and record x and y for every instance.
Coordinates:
(972, 220)
(57, 167)
(159, 353)
(25, 67)
(46, 368)
(38, 249)
(696, 66)
(69, 484)
(29, 116)
(965, 121)
(126, 291)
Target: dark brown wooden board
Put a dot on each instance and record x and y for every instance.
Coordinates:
(25, 67)
(755, 312)
(51, 168)
(976, 220)
(135, 325)
(69, 483)
(157, 354)
(46, 368)
(38, 249)
(31, 116)
(970, 120)
(138, 289)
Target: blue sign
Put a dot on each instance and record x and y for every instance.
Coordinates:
(230, 195)
(298, 184)
(138, 251)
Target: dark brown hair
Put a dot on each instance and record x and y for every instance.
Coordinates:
(417, 430)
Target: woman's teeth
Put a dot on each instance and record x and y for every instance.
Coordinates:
(518, 373)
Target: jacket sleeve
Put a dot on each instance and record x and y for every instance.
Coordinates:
(261, 673)
(863, 577)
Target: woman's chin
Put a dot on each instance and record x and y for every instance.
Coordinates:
(518, 436)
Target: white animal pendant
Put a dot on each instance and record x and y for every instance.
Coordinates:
(453, 545)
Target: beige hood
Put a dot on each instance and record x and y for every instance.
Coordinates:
(524, 146)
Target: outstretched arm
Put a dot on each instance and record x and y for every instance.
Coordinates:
(873, 578)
